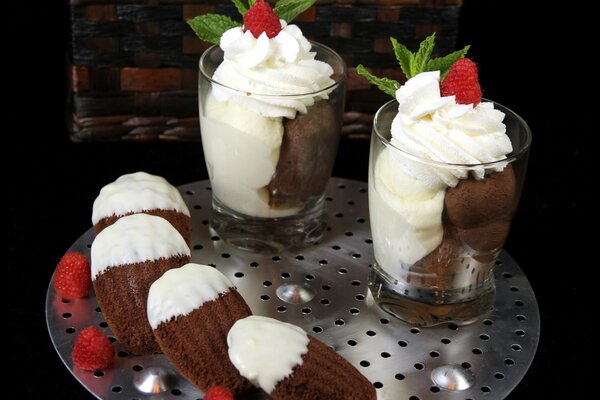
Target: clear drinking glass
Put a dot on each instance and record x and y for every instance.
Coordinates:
(454, 281)
(265, 199)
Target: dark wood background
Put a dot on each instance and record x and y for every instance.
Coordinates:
(534, 60)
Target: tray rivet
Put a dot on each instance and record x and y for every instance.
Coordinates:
(452, 377)
(295, 293)
(155, 380)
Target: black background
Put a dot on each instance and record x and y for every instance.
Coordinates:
(534, 60)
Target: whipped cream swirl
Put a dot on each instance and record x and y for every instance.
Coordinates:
(438, 129)
(263, 67)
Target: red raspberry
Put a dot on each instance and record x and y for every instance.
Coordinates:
(261, 18)
(92, 350)
(72, 279)
(462, 81)
(218, 393)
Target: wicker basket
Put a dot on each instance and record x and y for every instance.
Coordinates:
(133, 65)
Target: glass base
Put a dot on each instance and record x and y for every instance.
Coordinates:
(430, 307)
(269, 235)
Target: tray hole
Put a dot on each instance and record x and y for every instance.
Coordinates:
(399, 377)
(385, 354)
(355, 283)
(445, 340)
(89, 245)
(212, 265)
(65, 301)
(328, 198)
(116, 389)
(306, 310)
(299, 258)
(254, 264)
(356, 255)
(267, 283)
(326, 287)
(341, 186)
(352, 342)
(486, 389)
(509, 361)
(225, 255)
(98, 309)
(434, 354)
(419, 366)
(67, 315)
(415, 331)
(514, 289)
(506, 275)
(371, 333)
(70, 331)
(336, 247)
(359, 297)
(112, 339)
(384, 321)
(520, 332)
(362, 190)
(364, 363)
(369, 241)
(488, 322)
(309, 277)
(466, 365)
(317, 329)
(176, 392)
(239, 274)
(402, 343)
(323, 262)
(286, 275)
(477, 351)
(103, 324)
(350, 202)
(452, 326)
(123, 354)
(137, 368)
(197, 207)
(276, 258)
(204, 222)
(325, 302)
(378, 385)
(516, 347)
(98, 374)
(339, 215)
(434, 389)
(519, 303)
(484, 336)
(354, 311)
(499, 375)
(360, 220)
(209, 188)
(343, 270)
(265, 297)
(349, 233)
(215, 238)
(198, 247)
(281, 309)
(413, 397)
(339, 322)
(520, 317)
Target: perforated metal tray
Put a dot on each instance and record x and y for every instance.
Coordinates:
(323, 289)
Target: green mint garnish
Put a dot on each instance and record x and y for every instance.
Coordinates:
(290, 9)
(210, 27)
(414, 63)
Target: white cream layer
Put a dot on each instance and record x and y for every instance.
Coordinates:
(182, 290)
(132, 193)
(265, 350)
(133, 239)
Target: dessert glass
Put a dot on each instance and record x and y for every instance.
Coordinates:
(265, 197)
(454, 282)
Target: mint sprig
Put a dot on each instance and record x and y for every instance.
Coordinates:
(413, 63)
(290, 9)
(210, 27)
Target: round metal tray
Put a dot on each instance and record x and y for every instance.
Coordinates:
(323, 289)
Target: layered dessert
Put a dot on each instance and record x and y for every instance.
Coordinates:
(190, 311)
(270, 118)
(441, 189)
(141, 192)
(126, 258)
(286, 363)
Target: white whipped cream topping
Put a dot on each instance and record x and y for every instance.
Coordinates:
(132, 193)
(436, 128)
(133, 239)
(283, 66)
(265, 350)
(179, 291)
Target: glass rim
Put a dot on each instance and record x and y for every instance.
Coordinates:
(339, 81)
(512, 157)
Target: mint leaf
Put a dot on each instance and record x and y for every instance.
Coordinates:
(242, 6)
(404, 57)
(443, 64)
(423, 55)
(386, 85)
(290, 9)
(210, 27)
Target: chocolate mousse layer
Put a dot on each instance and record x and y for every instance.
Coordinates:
(122, 292)
(196, 343)
(180, 221)
(323, 374)
(307, 155)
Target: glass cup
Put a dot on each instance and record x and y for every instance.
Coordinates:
(435, 251)
(268, 194)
